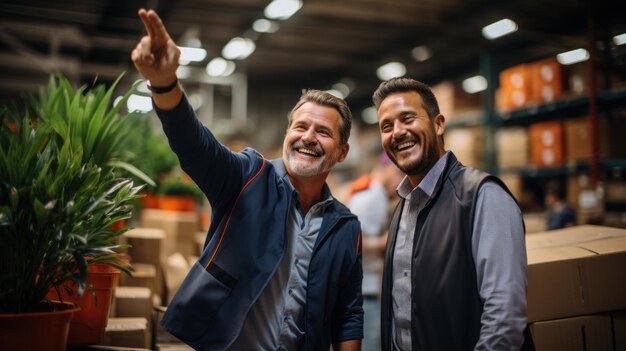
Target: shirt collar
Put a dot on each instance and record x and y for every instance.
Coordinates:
(427, 185)
(327, 197)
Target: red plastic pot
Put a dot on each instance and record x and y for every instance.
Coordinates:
(89, 324)
(38, 330)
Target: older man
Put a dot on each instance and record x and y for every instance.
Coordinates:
(281, 266)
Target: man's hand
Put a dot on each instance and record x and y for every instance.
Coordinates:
(156, 55)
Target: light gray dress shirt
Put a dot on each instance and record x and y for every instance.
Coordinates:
(276, 319)
(499, 252)
(416, 198)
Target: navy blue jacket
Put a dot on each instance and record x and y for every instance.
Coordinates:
(250, 199)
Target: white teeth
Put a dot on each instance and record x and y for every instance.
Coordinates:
(308, 152)
(405, 145)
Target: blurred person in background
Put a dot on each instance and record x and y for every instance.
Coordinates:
(370, 199)
(281, 265)
(560, 213)
(455, 263)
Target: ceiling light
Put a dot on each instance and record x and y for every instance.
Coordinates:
(183, 72)
(475, 84)
(139, 103)
(573, 56)
(194, 42)
(265, 26)
(349, 83)
(421, 53)
(390, 70)
(218, 67)
(238, 48)
(369, 115)
(282, 9)
(498, 29)
(619, 39)
(336, 93)
(192, 54)
(343, 88)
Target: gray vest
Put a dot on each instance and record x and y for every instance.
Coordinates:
(445, 305)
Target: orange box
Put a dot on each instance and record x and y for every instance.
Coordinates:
(515, 87)
(546, 144)
(546, 79)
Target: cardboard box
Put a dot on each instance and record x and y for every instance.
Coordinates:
(578, 139)
(467, 144)
(615, 191)
(176, 270)
(512, 146)
(454, 102)
(576, 271)
(133, 301)
(128, 332)
(179, 228)
(546, 144)
(147, 245)
(143, 276)
(515, 87)
(619, 330)
(589, 333)
(546, 78)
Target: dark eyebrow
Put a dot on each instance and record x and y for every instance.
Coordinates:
(405, 114)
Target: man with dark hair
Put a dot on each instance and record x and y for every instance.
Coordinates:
(455, 263)
(281, 265)
(560, 213)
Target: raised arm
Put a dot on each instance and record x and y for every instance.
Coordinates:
(156, 59)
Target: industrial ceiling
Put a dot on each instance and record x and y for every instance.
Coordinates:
(326, 41)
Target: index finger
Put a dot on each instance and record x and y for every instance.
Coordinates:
(143, 14)
(155, 26)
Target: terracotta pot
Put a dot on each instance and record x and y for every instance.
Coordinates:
(38, 330)
(177, 203)
(149, 200)
(89, 324)
(121, 224)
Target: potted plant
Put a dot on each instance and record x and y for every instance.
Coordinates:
(60, 193)
(55, 213)
(178, 194)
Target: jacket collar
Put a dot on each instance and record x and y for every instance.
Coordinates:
(336, 208)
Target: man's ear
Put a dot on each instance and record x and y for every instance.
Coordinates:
(344, 152)
(440, 126)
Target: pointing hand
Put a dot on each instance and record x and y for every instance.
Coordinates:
(156, 55)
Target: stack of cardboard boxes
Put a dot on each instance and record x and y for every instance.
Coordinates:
(577, 289)
(530, 84)
(156, 250)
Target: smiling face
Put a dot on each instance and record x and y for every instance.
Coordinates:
(411, 139)
(312, 144)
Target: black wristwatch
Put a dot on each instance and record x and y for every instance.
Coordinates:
(162, 90)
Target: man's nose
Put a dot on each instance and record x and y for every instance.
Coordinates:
(309, 135)
(399, 131)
